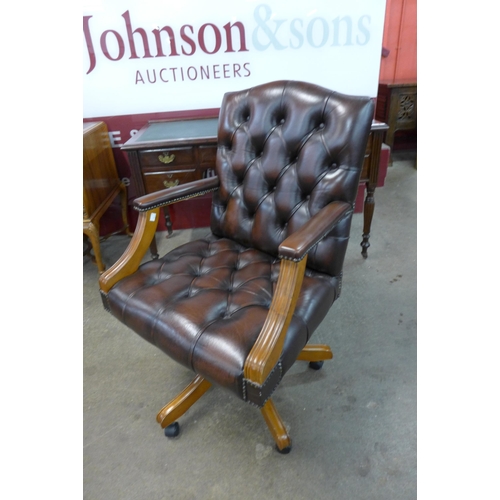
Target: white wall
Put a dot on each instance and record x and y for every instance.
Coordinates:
(219, 46)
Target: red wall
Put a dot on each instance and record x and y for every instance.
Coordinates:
(400, 38)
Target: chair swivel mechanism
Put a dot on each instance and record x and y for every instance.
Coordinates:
(239, 307)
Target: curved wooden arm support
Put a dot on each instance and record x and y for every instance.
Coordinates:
(129, 262)
(148, 207)
(267, 349)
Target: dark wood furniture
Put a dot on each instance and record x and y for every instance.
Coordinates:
(166, 153)
(397, 106)
(101, 185)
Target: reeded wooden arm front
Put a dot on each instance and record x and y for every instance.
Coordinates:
(293, 251)
(129, 262)
(267, 349)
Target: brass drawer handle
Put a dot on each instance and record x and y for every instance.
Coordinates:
(170, 184)
(166, 158)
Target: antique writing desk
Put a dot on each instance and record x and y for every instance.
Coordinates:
(166, 153)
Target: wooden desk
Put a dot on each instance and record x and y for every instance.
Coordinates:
(101, 185)
(166, 153)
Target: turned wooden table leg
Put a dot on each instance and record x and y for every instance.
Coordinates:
(277, 427)
(367, 219)
(371, 184)
(181, 404)
(168, 221)
(153, 249)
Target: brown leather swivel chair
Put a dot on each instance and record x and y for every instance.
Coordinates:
(239, 307)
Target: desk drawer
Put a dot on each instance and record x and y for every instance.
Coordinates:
(156, 181)
(170, 157)
(207, 155)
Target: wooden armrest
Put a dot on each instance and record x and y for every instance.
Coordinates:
(267, 349)
(175, 194)
(298, 244)
(149, 207)
(293, 252)
(129, 262)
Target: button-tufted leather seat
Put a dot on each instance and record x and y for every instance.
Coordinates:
(239, 306)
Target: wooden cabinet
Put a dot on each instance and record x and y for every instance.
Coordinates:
(397, 106)
(167, 153)
(101, 185)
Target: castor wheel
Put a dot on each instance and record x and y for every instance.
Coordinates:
(172, 430)
(316, 365)
(284, 451)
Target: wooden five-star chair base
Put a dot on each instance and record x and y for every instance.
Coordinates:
(316, 354)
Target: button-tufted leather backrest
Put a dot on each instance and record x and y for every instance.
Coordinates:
(287, 149)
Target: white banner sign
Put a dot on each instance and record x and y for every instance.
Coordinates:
(152, 56)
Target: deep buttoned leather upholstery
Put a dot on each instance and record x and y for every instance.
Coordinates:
(205, 303)
(287, 152)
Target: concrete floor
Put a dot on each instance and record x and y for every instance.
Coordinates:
(353, 423)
